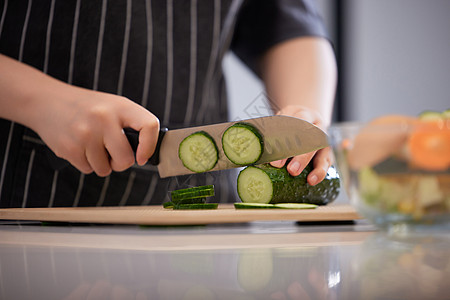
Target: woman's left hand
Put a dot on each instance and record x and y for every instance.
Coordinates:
(322, 158)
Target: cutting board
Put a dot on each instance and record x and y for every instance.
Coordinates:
(157, 215)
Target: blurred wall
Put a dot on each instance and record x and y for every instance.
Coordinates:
(397, 59)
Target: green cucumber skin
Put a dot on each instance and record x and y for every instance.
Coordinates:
(189, 201)
(290, 189)
(194, 192)
(196, 206)
(255, 131)
(248, 205)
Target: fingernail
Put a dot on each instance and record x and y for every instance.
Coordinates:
(313, 180)
(277, 163)
(295, 167)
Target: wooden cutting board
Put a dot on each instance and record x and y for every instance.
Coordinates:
(157, 215)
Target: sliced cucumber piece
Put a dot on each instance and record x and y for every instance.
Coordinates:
(295, 205)
(243, 205)
(248, 205)
(196, 206)
(446, 114)
(266, 184)
(254, 186)
(243, 144)
(198, 152)
(189, 201)
(194, 192)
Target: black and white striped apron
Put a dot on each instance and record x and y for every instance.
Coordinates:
(164, 54)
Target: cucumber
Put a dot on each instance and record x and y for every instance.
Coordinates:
(241, 205)
(196, 206)
(191, 198)
(198, 152)
(242, 144)
(177, 204)
(193, 192)
(267, 184)
(295, 205)
(446, 114)
(189, 201)
(248, 205)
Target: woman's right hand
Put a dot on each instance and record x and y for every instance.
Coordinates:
(82, 126)
(86, 128)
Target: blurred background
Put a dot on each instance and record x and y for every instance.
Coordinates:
(393, 57)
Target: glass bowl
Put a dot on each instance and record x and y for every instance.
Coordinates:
(396, 170)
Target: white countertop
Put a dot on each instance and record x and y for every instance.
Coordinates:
(258, 260)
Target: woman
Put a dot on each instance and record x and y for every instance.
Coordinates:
(75, 73)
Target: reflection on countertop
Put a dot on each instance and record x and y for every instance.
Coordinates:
(259, 260)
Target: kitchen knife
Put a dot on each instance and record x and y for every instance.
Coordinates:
(283, 137)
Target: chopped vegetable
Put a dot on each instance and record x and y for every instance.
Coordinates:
(191, 198)
(242, 205)
(243, 144)
(196, 206)
(429, 145)
(267, 184)
(296, 205)
(413, 194)
(193, 192)
(276, 206)
(198, 152)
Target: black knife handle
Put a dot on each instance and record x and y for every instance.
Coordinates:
(133, 138)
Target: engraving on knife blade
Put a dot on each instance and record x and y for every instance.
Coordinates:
(261, 106)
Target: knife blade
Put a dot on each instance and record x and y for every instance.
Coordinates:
(283, 137)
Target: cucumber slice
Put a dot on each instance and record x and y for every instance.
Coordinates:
(266, 184)
(196, 206)
(242, 144)
(240, 205)
(295, 205)
(194, 192)
(189, 201)
(198, 152)
(254, 186)
(248, 205)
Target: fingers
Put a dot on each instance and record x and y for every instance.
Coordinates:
(98, 158)
(322, 161)
(278, 163)
(298, 163)
(82, 164)
(119, 149)
(148, 137)
(108, 149)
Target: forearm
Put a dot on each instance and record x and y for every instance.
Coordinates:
(24, 90)
(301, 72)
